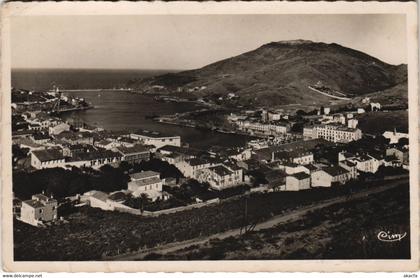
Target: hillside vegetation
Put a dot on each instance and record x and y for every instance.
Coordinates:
(280, 73)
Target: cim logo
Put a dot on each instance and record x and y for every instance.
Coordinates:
(390, 237)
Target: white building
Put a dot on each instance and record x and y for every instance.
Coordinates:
(147, 182)
(38, 210)
(367, 163)
(394, 136)
(349, 166)
(220, 176)
(274, 116)
(297, 157)
(293, 168)
(48, 158)
(360, 111)
(352, 123)
(134, 154)
(57, 129)
(326, 177)
(333, 133)
(375, 106)
(156, 139)
(189, 167)
(107, 144)
(298, 181)
(101, 200)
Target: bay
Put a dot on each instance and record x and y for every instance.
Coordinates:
(126, 111)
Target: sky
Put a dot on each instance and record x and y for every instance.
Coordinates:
(190, 41)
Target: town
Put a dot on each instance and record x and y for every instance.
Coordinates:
(289, 152)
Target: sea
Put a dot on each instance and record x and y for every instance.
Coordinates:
(118, 110)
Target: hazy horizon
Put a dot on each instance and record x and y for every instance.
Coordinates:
(184, 42)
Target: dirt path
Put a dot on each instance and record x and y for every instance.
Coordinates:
(171, 247)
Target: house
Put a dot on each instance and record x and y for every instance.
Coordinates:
(155, 138)
(298, 181)
(106, 144)
(249, 165)
(40, 138)
(309, 168)
(239, 154)
(99, 199)
(104, 201)
(276, 179)
(360, 111)
(73, 150)
(189, 167)
(48, 158)
(57, 129)
(345, 156)
(328, 176)
(94, 159)
(72, 137)
(34, 126)
(392, 161)
(22, 134)
(127, 142)
(274, 116)
(375, 106)
(297, 157)
(366, 163)
(38, 210)
(220, 176)
(147, 182)
(292, 168)
(400, 153)
(352, 123)
(174, 154)
(134, 154)
(349, 166)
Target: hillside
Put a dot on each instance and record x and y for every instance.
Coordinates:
(280, 73)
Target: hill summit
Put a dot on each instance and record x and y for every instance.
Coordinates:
(282, 72)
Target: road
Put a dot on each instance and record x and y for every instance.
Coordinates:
(171, 247)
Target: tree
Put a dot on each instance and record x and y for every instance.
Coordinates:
(403, 141)
(144, 200)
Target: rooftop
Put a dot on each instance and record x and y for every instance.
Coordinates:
(147, 181)
(152, 134)
(301, 176)
(134, 149)
(93, 155)
(221, 170)
(335, 171)
(144, 175)
(310, 167)
(99, 195)
(348, 163)
(40, 136)
(48, 154)
(40, 197)
(34, 203)
(196, 161)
